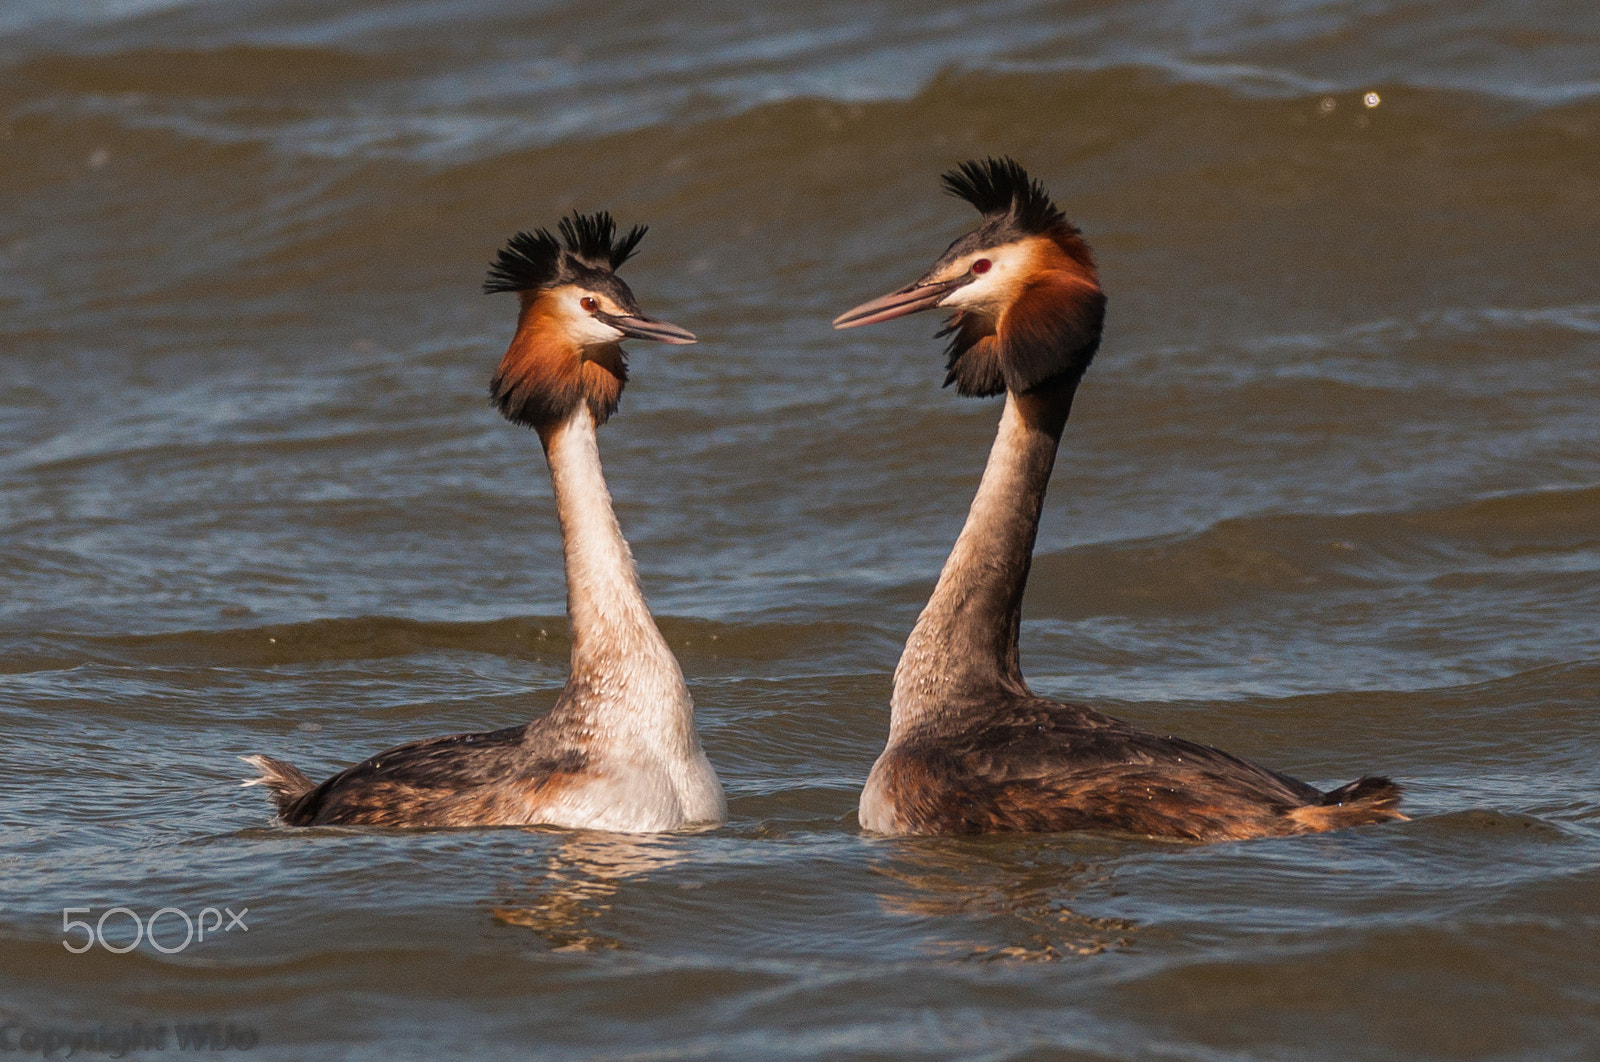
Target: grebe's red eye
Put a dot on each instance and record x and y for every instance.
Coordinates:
(981, 266)
(589, 304)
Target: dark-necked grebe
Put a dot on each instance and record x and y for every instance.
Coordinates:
(971, 749)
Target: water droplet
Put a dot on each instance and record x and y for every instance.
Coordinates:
(1327, 105)
(1371, 99)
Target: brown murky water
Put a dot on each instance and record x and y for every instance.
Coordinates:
(1330, 499)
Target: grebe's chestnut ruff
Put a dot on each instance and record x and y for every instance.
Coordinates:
(971, 749)
(619, 749)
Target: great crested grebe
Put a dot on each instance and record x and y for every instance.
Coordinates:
(619, 749)
(971, 749)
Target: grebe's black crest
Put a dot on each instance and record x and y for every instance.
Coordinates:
(1002, 188)
(592, 237)
(533, 260)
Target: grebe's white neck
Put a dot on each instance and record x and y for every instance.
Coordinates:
(626, 691)
(605, 604)
(963, 649)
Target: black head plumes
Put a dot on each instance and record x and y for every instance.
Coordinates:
(1000, 188)
(534, 260)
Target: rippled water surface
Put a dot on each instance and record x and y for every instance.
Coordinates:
(1330, 498)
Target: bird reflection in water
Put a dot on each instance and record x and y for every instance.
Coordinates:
(585, 872)
(1013, 903)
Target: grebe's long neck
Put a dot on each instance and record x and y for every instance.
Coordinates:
(625, 683)
(963, 650)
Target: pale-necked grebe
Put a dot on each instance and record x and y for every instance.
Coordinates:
(619, 750)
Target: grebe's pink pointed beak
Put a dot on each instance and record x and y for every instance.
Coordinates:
(639, 326)
(911, 299)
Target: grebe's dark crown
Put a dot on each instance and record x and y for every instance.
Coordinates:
(534, 260)
(1002, 188)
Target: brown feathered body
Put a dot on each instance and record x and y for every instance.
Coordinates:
(1028, 764)
(501, 777)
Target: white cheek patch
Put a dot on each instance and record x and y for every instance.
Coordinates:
(977, 293)
(991, 290)
(584, 328)
(589, 330)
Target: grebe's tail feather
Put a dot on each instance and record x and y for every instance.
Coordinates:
(286, 782)
(1361, 803)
